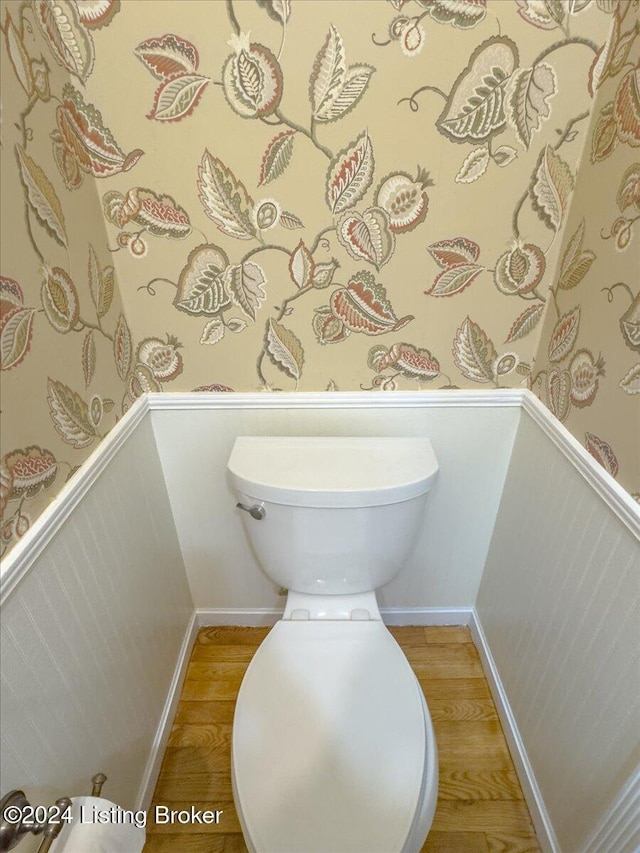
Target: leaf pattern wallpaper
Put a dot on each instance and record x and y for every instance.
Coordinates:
(243, 195)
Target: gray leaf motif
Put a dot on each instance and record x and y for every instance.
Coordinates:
(529, 93)
(475, 111)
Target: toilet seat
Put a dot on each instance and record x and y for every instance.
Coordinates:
(333, 749)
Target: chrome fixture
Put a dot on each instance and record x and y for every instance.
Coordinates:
(256, 511)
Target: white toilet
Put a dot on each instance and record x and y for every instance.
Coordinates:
(333, 747)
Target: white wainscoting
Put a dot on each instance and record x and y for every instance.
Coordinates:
(95, 608)
(526, 538)
(472, 435)
(619, 830)
(559, 605)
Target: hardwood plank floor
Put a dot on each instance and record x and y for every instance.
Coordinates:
(480, 808)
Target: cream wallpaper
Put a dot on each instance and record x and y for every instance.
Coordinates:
(307, 194)
(587, 367)
(59, 301)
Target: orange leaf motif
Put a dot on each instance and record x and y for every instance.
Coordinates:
(168, 55)
(363, 306)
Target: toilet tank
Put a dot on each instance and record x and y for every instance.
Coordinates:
(341, 514)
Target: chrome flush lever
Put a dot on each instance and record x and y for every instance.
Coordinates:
(256, 511)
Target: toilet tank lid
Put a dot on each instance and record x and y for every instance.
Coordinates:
(332, 471)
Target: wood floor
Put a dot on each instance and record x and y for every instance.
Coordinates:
(480, 804)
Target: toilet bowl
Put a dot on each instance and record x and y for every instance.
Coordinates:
(333, 748)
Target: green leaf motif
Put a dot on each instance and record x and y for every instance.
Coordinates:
(15, 337)
(101, 283)
(290, 221)
(277, 10)
(201, 286)
(474, 353)
(530, 91)
(525, 323)
(630, 383)
(576, 263)
(284, 349)
(334, 89)
(551, 188)
(454, 280)
(213, 331)
(42, 197)
(474, 165)
(177, 97)
(301, 265)
(245, 282)
(70, 414)
(475, 109)
(225, 199)
(327, 77)
(355, 85)
(88, 358)
(122, 347)
(277, 157)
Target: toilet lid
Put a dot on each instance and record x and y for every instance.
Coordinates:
(328, 740)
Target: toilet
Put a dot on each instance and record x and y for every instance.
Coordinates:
(333, 749)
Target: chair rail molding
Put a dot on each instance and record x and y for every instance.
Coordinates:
(26, 551)
(334, 399)
(617, 498)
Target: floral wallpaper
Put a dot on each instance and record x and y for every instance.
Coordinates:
(225, 195)
(587, 367)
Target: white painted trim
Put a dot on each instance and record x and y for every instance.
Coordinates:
(612, 493)
(335, 400)
(618, 831)
(263, 616)
(428, 616)
(24, 553)
(257, 617)
(154, 762)
(533, 796)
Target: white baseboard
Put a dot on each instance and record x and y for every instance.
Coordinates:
(619, 829)
(427, 616)
(539, 815)
(263, 616)
(152, 768)
(257, 617)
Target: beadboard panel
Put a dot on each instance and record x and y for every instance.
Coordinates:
(471, 441)
(91, 634)
(559, 606)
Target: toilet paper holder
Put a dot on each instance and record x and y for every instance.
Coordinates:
(18, 817)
